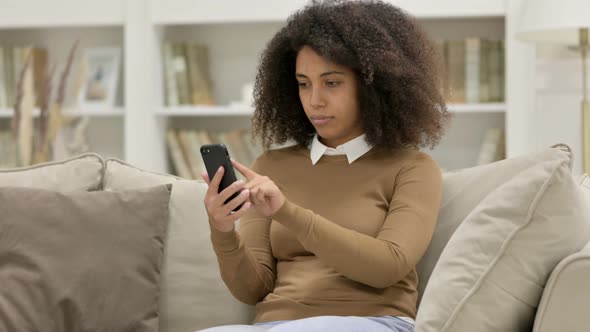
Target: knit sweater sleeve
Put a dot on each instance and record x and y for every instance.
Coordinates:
(245, 258)
(383, 260)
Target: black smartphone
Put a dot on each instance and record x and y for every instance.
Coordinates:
(214, 156)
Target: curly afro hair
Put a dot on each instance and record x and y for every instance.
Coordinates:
(401, 99)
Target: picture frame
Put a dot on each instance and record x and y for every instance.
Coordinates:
(100, 78)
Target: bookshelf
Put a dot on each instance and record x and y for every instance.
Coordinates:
(235, 32)
(56, 30)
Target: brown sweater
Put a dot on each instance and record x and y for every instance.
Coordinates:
(346, 241)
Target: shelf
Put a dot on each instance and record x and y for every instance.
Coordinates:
(226, 11)
(61, 13)
(477, 108)
(113, 112)
(196, 111)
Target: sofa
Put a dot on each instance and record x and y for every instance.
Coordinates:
(511, 251)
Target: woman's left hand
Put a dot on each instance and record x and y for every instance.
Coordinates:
(265, 196)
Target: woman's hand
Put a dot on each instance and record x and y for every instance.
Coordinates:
(265, 196)
(220, 214)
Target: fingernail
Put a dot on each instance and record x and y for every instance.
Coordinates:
(245, 192)
(220, 169)
(240, 182)
(247, 205)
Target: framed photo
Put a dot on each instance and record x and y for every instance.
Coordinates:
(100, 77)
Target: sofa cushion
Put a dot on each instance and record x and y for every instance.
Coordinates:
(492, 272)
(81, 261)
(83, 172)
(193, 294)
(464, 189)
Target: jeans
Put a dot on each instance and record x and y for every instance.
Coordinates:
(324, 324)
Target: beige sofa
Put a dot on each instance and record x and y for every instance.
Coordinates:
(193, 296)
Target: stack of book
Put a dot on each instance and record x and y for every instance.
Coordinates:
(12, 60)
(185, 154)
(186, 74)
(475, 70)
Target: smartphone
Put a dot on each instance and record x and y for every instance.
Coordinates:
(214, 156)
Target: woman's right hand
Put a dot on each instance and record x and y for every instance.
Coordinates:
(220, 214)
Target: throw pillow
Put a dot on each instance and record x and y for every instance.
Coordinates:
(81, 261)
(464, 189)
(83, 172)
(193, 295)
(491, 274)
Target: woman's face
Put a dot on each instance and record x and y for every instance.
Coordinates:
(328, 93)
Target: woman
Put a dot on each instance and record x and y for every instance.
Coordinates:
(332, 227)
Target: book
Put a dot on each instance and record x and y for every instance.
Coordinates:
(3, 96)
(169, 75)
(191, 158)
(455, 51)
(176, 155)
(198, 73)
(472, 64)
(181, 73)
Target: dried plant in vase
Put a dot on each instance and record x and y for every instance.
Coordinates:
(35, 141)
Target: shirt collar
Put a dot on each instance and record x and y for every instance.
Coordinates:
(353, 149)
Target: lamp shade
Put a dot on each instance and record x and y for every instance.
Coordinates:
(554, 21)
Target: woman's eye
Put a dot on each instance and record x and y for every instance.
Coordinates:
(332, 83)
(302, 84)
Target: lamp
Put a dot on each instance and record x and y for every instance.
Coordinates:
(563, 22)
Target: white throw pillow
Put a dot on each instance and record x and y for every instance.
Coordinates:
(81, 173)
(193, 295)
(464, 189)
(491, 274)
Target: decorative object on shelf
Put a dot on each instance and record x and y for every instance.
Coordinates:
(34, 141)
(72, 139)
(100, 67)
(563, 22)
(247, 98)
(12, 59)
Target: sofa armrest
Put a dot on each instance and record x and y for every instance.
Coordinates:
(566, 298)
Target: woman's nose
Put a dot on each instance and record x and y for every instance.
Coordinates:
(316, 98)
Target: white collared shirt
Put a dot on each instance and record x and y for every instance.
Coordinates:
(353, 149)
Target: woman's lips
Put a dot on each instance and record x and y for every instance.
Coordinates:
(321, 120)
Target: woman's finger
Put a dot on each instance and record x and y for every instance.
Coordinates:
(260, 195)
(234, 203)
(254, 197)
(238, 214)
(256, 182)
(226, 193)
(214, 184)
(205, 177)
(248, 173)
